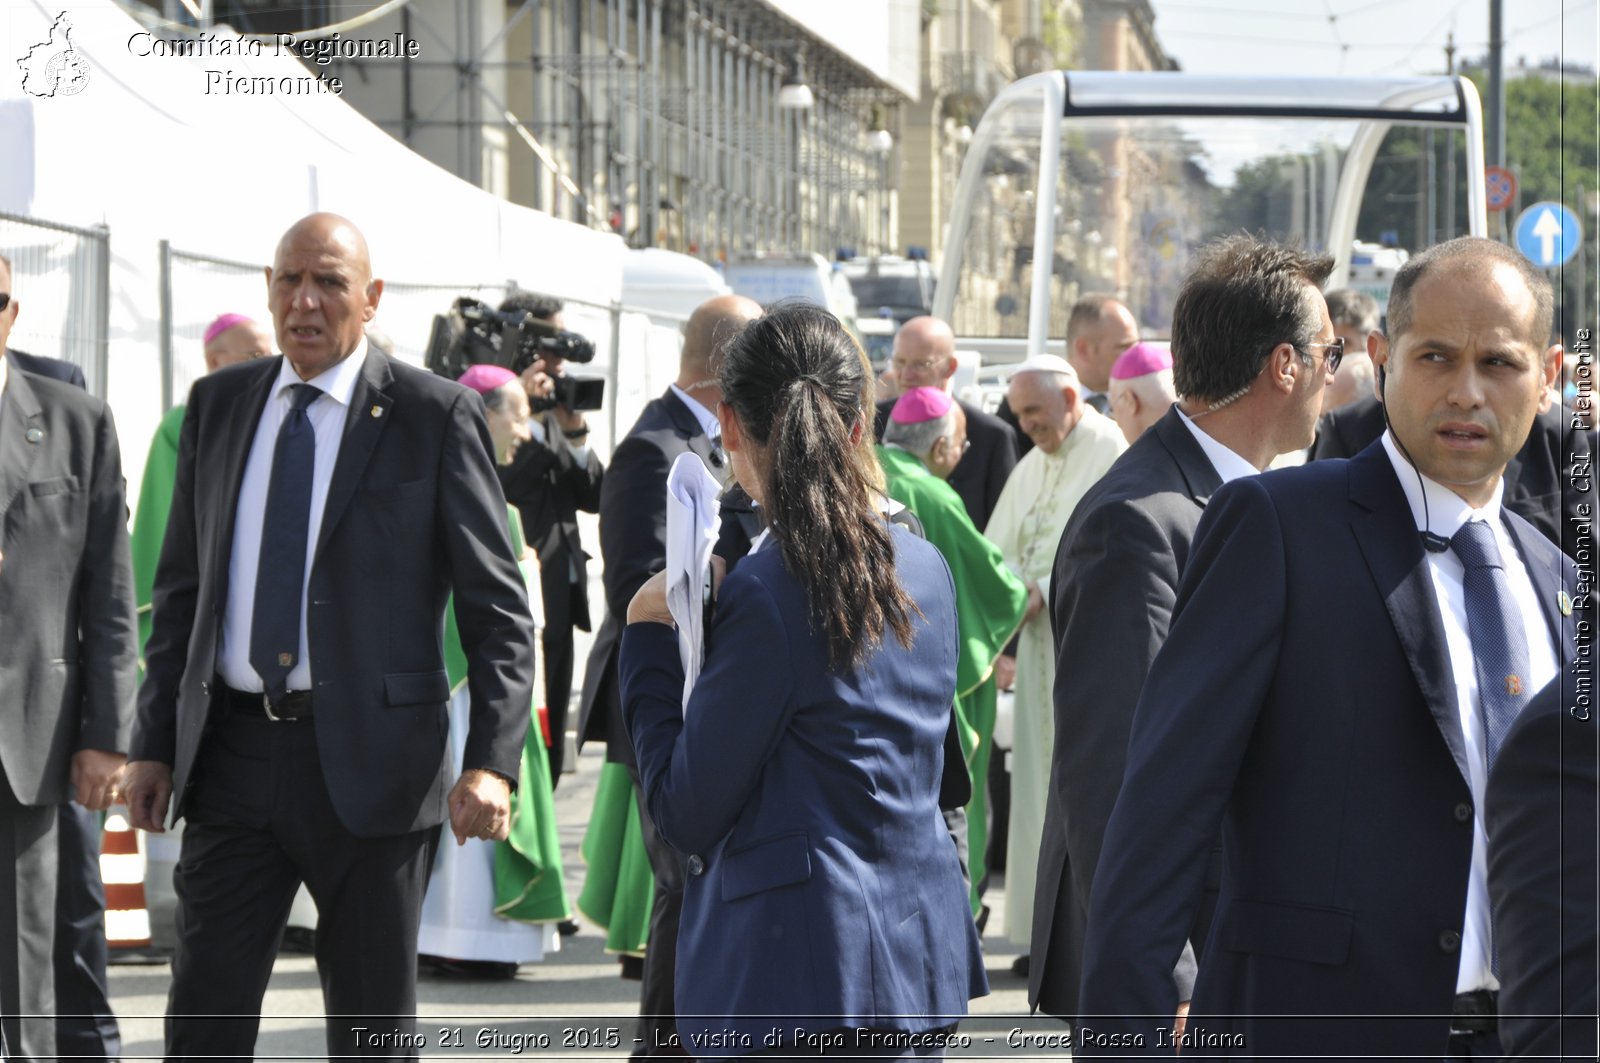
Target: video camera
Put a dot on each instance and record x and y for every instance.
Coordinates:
(474, 333)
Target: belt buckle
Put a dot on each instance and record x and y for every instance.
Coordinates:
(266, 705)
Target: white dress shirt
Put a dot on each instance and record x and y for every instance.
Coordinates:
(327, 414)
(1443, 514)
(1229, 465)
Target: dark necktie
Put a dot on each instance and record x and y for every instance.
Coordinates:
(280, 577)
(1499, 644)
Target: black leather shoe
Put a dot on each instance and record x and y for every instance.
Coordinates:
(466, 970)
(1019, 966)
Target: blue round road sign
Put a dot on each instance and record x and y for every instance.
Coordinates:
(1548, 233)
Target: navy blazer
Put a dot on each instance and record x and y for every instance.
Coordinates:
(1304, 700)
(1544, 873)
(822, 885)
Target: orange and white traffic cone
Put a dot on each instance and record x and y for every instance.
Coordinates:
(122, 865)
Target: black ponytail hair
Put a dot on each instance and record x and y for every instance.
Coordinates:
(801, 389)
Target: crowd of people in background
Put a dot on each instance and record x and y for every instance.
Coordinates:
(1302, 761)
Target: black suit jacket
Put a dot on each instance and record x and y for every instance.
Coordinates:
(39, 365)
(633, 547)
(548, 485)
(1534, 477)
(1112, 588)
(413, 513)
(981, 474)
(68, 641)
(1540, 811)
(1304, 701)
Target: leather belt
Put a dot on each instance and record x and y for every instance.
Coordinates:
(1475, 1012)
(294, 705)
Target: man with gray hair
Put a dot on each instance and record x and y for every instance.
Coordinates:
(925, 356)
(1074, 445)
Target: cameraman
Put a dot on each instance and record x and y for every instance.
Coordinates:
(549, 480)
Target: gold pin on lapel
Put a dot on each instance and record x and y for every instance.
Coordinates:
(377, 411)
(1564, 603)
(285, 660)
(1514, 685)
(33, 435)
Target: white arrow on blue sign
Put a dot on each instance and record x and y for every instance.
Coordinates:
(1549, 234)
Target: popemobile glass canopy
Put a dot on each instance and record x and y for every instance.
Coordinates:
(1121, 177)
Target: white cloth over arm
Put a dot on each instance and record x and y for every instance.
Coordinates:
(692, 526)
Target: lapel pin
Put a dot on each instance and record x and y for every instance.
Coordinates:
(35, 434)
(1564, 603)
(377, 411)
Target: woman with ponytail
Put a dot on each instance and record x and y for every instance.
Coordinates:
(823, 898)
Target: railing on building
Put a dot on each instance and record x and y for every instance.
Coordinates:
(61, 277)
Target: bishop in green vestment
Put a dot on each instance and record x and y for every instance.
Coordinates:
(923, 441)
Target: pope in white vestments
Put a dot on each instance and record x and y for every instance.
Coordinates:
(1074, 445)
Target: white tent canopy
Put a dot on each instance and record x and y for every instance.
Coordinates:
(146, 150)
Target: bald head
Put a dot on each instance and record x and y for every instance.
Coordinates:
(322, 292)
(709, 327)
(924, 355)
(1098, 330)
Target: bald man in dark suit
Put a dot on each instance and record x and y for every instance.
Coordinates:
(294, 710)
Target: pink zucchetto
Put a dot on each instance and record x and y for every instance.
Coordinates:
(919, 405)
(1141, 359)
(224, 323)
(486, 378)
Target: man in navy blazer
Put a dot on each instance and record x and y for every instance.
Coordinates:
(633, 545)
(1317, 696)
(1543, 814)
(339, 780)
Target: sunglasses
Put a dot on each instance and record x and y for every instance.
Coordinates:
(5, 301)
(1335, 349)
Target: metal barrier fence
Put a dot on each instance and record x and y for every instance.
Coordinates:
(61, 279)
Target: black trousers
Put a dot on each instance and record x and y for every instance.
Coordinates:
(658, 1027)
(85, 1025)
(557, 590)
(259, 822)
(28, 859)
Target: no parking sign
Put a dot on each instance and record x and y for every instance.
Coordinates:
(1501, 186)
